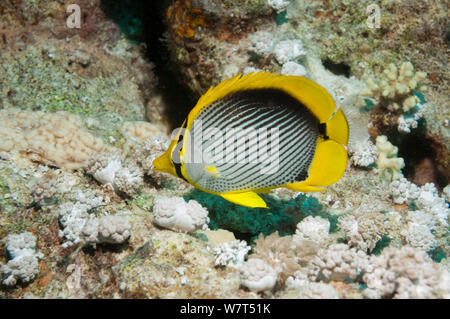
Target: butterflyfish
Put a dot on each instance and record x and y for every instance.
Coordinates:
(257, 132)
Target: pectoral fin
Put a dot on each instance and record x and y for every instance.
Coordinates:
(249, 199)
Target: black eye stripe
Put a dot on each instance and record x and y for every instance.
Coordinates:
(176, 154)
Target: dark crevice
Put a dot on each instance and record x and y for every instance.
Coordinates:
(419, 153)
(337, 68)
(143, 21)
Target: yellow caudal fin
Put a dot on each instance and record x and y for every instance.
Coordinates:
(249, 199)
(327, 167)
(337, 128)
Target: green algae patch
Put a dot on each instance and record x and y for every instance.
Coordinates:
(282, 215)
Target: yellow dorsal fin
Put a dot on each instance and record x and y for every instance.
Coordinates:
(327, 167)
(249, 199)
(337, 128)
(311, 94)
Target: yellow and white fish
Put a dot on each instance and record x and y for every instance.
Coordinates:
(257, 132)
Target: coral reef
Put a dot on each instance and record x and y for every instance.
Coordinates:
(23, 265)
(363, 229)
(388, 162)
(174, 213)
(231, 254)
(85, 111)
(406, 273)
(59, 139)
(394, 91)
(257, 275)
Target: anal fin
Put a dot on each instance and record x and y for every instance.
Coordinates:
(302, 187)
(248, 199)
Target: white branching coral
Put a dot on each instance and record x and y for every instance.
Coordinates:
(283, 254)
(128, 180)
(406, 273)
(231, 254)
(395, 88)
(318, 290)
(74, 214)
(363, 229)
(408, 122)
(257, 275)
(403, 191)
(175, 214)
(105, 174)
(24, 264)
(363, 154)
(430, 201)
(426, 197)
(298, 280)
(337, 262)
(314, 229)
(419, 236)
(108, 169)
(106, 230)
(288, 50)
(387, 158)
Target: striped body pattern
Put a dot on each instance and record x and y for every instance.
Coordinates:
(250, 139)
(256, 132)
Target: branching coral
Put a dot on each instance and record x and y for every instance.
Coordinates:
(318, 290)
(107, 169)
(419, 236)
(23, 264)
(106, 230)
(363, 229)
(394, 89)
(231, 254)
(175, 214)
(363, 154)
(284, 254)
(403, 191)
(408, 121)
(430, 201)
(73, 216)
(337, 262)
(425, 197)
(313, 229)
(387, 158)
(406, 273)
(257, 275)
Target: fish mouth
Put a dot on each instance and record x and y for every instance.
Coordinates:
(164, 164)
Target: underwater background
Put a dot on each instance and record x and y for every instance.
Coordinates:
(90, 92)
